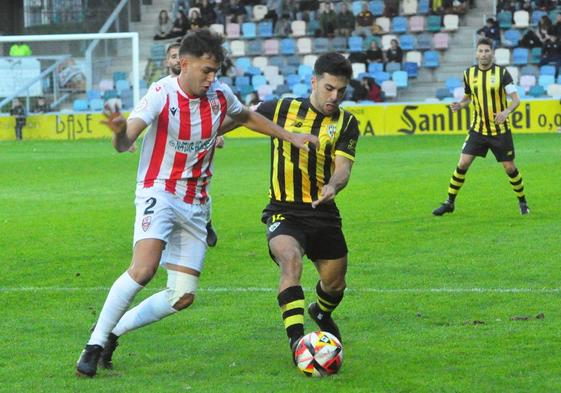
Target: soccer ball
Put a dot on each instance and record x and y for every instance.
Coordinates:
(319, 354)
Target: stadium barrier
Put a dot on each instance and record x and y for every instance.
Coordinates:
(532, 116)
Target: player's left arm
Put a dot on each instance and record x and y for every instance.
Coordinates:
(512, 92)
(337, 182)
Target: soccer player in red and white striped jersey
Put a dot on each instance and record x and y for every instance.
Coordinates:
(174, 173)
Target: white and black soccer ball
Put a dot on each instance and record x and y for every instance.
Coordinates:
(319, 354)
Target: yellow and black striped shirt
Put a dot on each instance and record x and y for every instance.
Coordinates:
(296, 175)
(488, 95)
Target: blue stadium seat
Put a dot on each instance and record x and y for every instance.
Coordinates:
(375, 67)
(277, 61)
(433, 23)
(452, 83)
(93, 94)
(400, 78)
(423, 6)
(226, 80)
(442, 93)
(252, 70)
(258, 80)
(355, 43)
(119, 76)
(536, 91)
(242, 81)
(96, 105)
(399, 24)
(288, 69)
(356, 7)
(305, 71)
(110, 94)
(242, 64)
(249, 30)
(547, 70)
(535, 55)
(377, 7)
(245, 90)
(412, 69)
(127, 101)
(407, 42)
(292, 79)
(559, 79)
(293, 61)
(321, 45)
(339, 44)
(80, 106)
(300, 90)
(521, 91)
(282, 89)
(505, 19)
(530, 70)
(312, 26)
(431, 59)
(287, 46)
(122, 84)
(265, 29)
(537, 15)
(254, 47)
(520, 56)
(424, 41)
(511, 38)
(381, 77)
(546, 80)
(393, 66)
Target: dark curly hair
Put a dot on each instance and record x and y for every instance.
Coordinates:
(202, 42)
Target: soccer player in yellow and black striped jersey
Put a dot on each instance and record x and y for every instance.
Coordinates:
(487, 86)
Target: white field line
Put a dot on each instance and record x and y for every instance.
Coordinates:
(258, 289)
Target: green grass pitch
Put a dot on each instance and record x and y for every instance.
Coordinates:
(416, 283)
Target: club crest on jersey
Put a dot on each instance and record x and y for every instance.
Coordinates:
(146, 222)
(331, 129)
(492, 80)
(215, 106)
(274, 226)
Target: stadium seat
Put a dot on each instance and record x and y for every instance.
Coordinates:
(381, 77)
(376, 7)
(122, 84)
(275, 80)
(547, 70)
(393, 66)
(384, 23)
(282, 89)
(417, 24)
(433, 23)
(458, 93)
(242, 81)
(358, 68)
(411, 68)
(502, 56)
(218, 28)
(265, 29)
(305, 71)
(399, 24)
(270, 71)
(452, 83)
(253, 71)
(442, 93)
(312, 27)
(375, 67)
(300, 90)
(559, 79)
(400, 78)
(387, 40)
(237, 48)
(339, 44)
(409, 7)
(226, 80)
(93, 94)
(233, 30)
(356, 7)
(546, 80)
(321, 45)
(108, 94)
(521, 19)
(292, 79)
(271, 47)
(424, 41)
(105, 84)
(96, 105)
(277, 61)
(535, 55)
(254, 47)
(521, 91)
(287, 46)
(249, 30)
(432, 59)
(259, 12)
(554, 90)
(310, 60)
(258, 80)
(119, 76)
(127, 101)
(355, 43)
(527, 81)
(440, 41)
(451, 22)
(553, 14)
(157, 51)
(389, 88)
(536, 91)
(530, 70)
(519, 56)
(505, 19)
(260, 62)
(511, 38)
(242, 64)
(293, 60)
(264, 91)
(298, 28)
(513, 71)
(537, 15)
(423, 7)
(80, 106)
(407, 42)
(414, 57)
(304, 45)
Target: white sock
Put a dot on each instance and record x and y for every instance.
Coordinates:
(152, 309)
(118, 301)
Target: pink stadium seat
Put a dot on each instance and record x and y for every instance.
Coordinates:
(440, 41)
(105, 84)
(271, 47)
(527, 81)
(233, 30)
(389, 88)
(417, 24)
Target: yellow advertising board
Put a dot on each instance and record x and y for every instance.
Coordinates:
(381, 119)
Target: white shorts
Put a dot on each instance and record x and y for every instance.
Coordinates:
(162, 215)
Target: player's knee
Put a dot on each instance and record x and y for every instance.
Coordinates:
(181, 289)
(334, 286)
(142, 274)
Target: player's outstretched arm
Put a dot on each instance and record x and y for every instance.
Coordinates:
(337, 182)
(261, 124)
(125, 132)
(227, 125)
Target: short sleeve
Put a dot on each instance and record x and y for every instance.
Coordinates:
(150, 106)
(234, 106)
(267, 109)
(467, 88)
(346, 144)
(507, 78)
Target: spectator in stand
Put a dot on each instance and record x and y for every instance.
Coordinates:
(208, 14)
(545, 29)
(530, 40)
(557, 27)
(195, 19)
(358, 57)
(395, 53)
(282, 28)
(327, 20)
(491, 30)
(237, 12)
(180, 25)
(249, 4)
(391, 8)
(374, 91)
(164, 26)
(526, 6)
(345, 21)
(459, 7)
(545, 5)
(374, 54)
(364, 21)
(360, 92)
(41, 106)
(551, 53)
(308, 9)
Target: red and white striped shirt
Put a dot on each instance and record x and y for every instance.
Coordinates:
(178, 149)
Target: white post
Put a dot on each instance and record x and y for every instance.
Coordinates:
(135, 69)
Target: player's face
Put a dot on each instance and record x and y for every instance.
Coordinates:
(173, 62)
(484, 55)
(328, 92)
(198, 73)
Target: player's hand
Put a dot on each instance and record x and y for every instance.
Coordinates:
(455, 106)
(327, 194)
(501, 117)
(114, 119)
(301, 141)
(219, 141)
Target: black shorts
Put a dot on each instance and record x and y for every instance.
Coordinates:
(501, 145)
(319, 231)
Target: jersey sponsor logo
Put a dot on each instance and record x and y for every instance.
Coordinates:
(352, 145)
(191, 146)
(173, 110)
(297, 123)
(146, 222)
(274, 226)
(215, 106)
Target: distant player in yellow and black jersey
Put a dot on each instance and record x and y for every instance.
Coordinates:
(487, 86)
